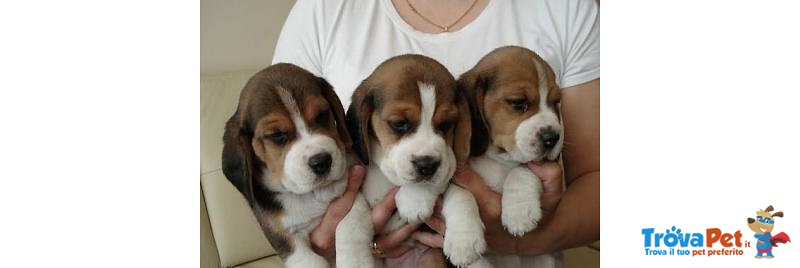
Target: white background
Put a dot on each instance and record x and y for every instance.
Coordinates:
(700, 124)
(99, 144)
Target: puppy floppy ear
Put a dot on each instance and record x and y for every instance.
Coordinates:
(237, 157)
(463, 129)
(358, 119)
(474, 85)
(778, 214)
(769, 208)
(338, 111)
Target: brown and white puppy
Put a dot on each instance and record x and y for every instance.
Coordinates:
(286, 150)
(411, 125)
(514, 105)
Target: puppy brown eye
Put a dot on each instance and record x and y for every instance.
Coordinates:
(279, 138)
(445, 127)
(519, 105)
(322, 118)
(400, 126)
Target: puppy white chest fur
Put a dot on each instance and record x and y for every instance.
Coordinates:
(303, 212)
(492, 171)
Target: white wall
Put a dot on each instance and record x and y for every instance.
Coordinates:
(239, 34)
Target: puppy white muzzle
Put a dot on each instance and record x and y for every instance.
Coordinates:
(313, 161)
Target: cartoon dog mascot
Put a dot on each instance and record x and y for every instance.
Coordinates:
(762, 226)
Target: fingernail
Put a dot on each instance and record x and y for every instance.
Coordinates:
(357, 168)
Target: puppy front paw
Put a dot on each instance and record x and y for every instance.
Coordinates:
(414, 212)
(306, 260)
(464, 248)
(415, 203)
(521, 208)
(519, 219)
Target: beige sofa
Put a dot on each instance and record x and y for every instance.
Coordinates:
(229, 234)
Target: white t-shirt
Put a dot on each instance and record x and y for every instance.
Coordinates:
(344, 40)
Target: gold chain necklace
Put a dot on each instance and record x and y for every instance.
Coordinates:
(444, 28)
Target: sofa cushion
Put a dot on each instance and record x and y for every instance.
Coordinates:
(219, 96)
(209, 257)
(237, 234)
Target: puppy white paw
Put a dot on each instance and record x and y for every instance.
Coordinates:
(414, 212)
(415, 203)
(522, 209)
(464, 248)
(306, 260)
(519, 219)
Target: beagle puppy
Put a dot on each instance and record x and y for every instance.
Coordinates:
(287, 150)
(514, 102)
(411, 125)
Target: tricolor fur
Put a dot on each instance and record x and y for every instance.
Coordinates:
(514, 105)
(411, 125)
(286, 150)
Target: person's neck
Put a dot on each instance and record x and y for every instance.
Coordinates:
(439, 13)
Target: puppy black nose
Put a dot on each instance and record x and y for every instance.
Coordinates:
(320, 163)
(750, 220)
(549, 138)
(426, 166)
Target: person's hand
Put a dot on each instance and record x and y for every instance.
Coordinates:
(435, 222)
(489, 204)
(390, 245)
(551, 175)
(322, 237)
